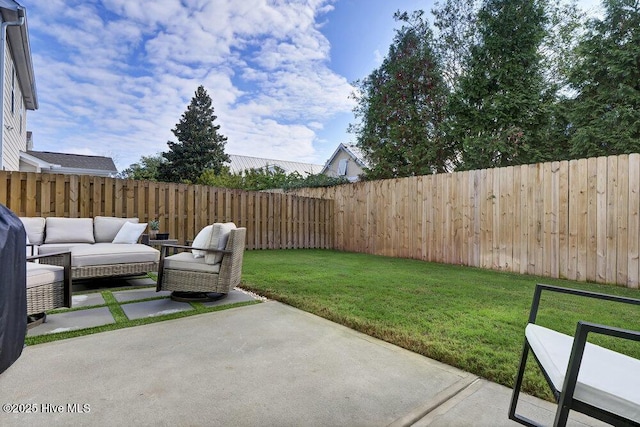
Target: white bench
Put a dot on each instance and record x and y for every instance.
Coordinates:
(584, 377)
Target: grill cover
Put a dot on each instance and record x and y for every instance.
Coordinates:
(13, 293)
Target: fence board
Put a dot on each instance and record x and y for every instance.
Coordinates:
(633, 231)
(622, 202)
(592, 220)
(612, 218)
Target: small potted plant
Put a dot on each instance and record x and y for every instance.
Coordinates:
(154, 226)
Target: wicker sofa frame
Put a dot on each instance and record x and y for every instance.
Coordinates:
(196, 281)
(108, 270)
(54, 295)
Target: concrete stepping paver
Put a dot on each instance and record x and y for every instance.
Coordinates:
(141, 281)
(87, 300)
(73, 320)
(160, 307)
(138, 294)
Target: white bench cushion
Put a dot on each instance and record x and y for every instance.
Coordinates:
(186, 261)
(48, 248)
(43, 274)
(112, 253)
(607, 379)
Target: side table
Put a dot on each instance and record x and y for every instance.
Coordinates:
(155, 243)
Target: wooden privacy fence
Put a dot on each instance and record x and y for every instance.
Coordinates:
(574, 219)
(273, 221)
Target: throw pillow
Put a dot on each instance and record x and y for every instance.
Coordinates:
(105, 228)
(219, 238)
(130, 233)
(201, 241)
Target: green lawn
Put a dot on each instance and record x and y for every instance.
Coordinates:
(466, 317)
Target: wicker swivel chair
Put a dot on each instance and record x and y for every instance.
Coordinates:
(204, 278)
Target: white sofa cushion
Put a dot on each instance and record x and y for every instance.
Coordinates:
(129, 233)
(43, 274)
(69, 230)
(112, 253)
(105, 228)
(219, 237)
(34, 226)
(201, 241)
(606, 379)
(186, 261)
(58, 247)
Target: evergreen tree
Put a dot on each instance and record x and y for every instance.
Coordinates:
(605, 114)
(500, 104)
(199, 145)
(456, 22)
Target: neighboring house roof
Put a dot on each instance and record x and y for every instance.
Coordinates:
(71, 163)
(243, 163)
(18, 39)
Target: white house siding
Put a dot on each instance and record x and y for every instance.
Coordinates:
(14, 138)
(353, 169)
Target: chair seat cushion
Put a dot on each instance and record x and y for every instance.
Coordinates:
(112, 253)
(186, 261)
(43, 274)
(606, 380)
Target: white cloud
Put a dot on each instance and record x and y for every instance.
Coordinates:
(114, 78)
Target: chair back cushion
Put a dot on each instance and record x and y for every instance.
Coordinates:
(34, 226)
(219, 236)
(67, 230)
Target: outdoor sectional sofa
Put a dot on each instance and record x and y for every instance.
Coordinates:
(100, 247)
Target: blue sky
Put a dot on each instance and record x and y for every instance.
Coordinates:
(114, 76)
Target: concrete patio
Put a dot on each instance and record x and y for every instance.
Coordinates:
(266, 364)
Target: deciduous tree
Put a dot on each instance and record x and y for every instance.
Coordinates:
(145, 169)
(400, 107)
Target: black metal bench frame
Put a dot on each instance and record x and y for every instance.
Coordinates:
(564, 397)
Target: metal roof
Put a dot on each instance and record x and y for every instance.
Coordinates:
(243, 163)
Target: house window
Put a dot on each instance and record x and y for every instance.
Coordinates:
(342, 167)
